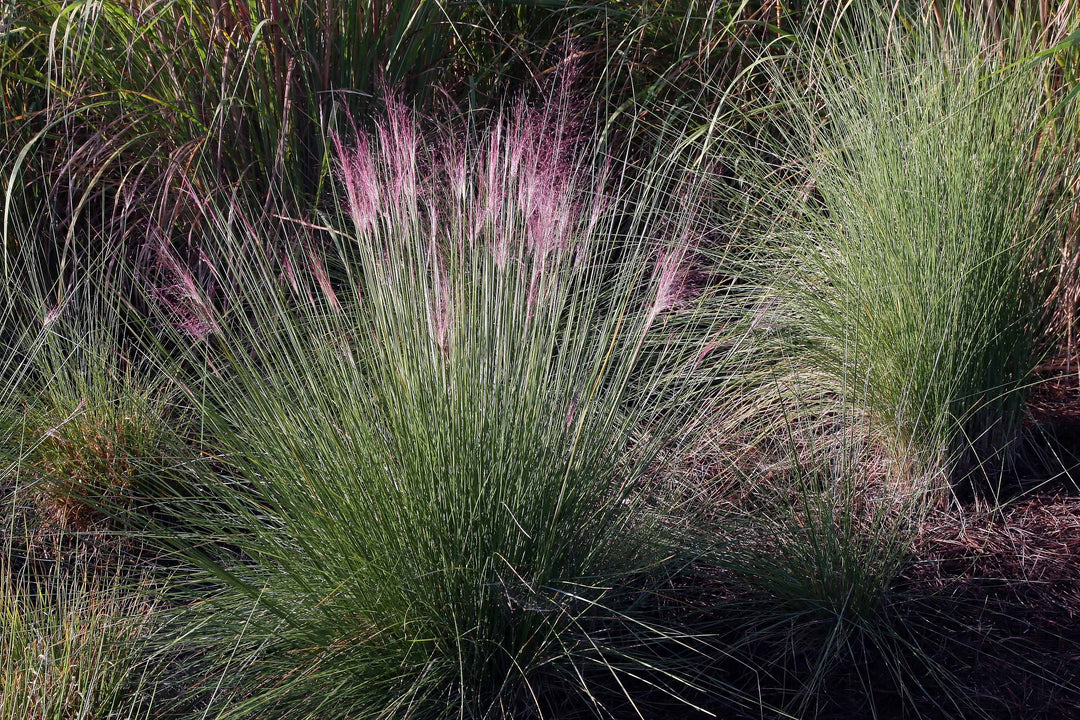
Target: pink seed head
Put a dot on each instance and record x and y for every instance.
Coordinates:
(181, 295)
(52, 315)
(669, 277)
(358, 171)
(323, 280)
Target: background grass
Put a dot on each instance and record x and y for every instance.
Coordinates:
(501, 360)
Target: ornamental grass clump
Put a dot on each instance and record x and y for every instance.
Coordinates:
(99, 440)
(923, 241)
(436, 428)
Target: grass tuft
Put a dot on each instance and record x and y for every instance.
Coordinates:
(438, 430)
(924, 234)
(69, 643)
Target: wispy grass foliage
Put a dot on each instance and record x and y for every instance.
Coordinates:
(71, 627)
(925, 231)
(440, 426)
(241, 86)
(69, 644)
(820, 545)
(86, 421)
(93, 431)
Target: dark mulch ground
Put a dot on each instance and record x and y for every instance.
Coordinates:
(996, 592)
(999, 605)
